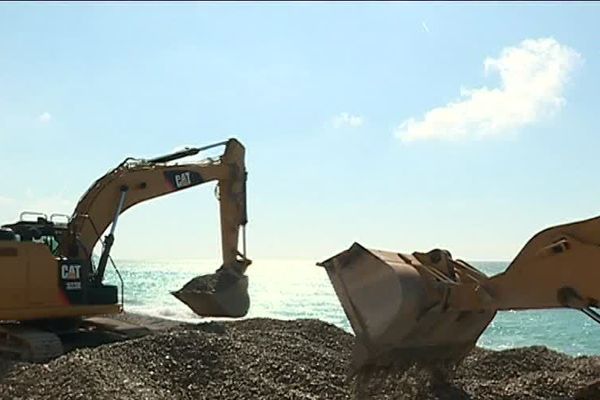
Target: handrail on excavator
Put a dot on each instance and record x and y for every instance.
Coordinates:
(186, 152)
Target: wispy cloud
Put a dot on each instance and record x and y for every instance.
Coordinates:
(425, 27)
(343, 120)
(45, 117)
(533, 77)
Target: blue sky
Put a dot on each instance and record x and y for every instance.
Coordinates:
(378, 123)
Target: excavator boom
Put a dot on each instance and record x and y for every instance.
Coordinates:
(431, 307)
(137, 180)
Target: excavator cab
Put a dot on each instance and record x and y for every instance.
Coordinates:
(37, 282)
(41, 229)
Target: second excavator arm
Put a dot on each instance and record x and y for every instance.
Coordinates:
(135, 181)
(429, 306)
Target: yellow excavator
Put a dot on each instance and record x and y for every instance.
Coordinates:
(49, 278)
(431, 308)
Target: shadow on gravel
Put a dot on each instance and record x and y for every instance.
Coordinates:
(6, 366)
(70, 342)
(81, 340)
(446, 391)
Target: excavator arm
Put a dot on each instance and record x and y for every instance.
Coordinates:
(559, 267)
(431, 307)
(135, 181)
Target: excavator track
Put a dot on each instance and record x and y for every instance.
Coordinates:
(29, 344)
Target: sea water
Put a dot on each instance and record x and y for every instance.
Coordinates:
(290, 289)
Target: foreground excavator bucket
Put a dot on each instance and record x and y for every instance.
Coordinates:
(222, 294)
(396, 309)
(428, 306)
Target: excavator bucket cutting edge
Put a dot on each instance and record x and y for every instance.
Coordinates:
(397, 311)
(221, 294)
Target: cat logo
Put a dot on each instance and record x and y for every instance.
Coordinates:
(182, 180)
(70, 272)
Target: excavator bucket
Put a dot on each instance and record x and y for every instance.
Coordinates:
(222, 294)
(396, 305)
(430, 307)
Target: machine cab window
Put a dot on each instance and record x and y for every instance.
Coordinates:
(37, 228)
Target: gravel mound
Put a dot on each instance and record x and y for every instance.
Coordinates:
(525, 373)
(273, 359)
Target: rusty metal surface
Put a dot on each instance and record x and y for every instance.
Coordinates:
(397, 307)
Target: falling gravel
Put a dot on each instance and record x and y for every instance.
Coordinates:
(273, 359)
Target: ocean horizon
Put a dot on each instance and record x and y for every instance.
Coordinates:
(292, 289)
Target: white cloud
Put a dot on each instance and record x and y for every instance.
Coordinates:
(45, 117)
(345, 119)
(533, 77)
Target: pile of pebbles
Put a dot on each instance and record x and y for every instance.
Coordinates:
(274, 359)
